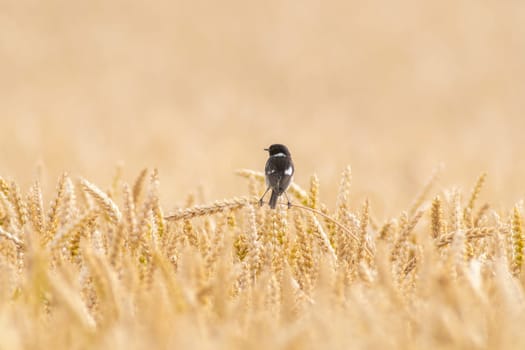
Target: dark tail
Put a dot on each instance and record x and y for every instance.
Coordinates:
(273, 199)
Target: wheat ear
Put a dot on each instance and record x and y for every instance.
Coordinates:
(138, 185)
(474, 194)
(130, 215)
(436, 218)
(18, 204)
(36, 209)
(52, 216)
(403, 236)
(108, 207)
(17, 241)
(344, 193)
(216, 207)
(364, 219)
(517, 241)
(314, 192)
(475, 191)
(470, 234)
(4, 187)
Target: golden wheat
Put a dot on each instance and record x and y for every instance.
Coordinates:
(234, 265)
(109, 208)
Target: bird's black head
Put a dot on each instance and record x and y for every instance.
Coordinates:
(278, 148)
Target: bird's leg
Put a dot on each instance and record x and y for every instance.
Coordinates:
(261, 200)
(289, 203)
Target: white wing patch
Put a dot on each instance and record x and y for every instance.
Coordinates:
(279, 155)
(289, 171)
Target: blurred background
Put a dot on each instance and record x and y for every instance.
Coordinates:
(198, 89)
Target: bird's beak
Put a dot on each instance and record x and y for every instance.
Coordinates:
(266, 149)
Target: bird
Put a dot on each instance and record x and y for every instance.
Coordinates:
(278, 173)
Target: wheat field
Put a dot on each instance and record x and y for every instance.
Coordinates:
(132, 136)
(111, 270)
